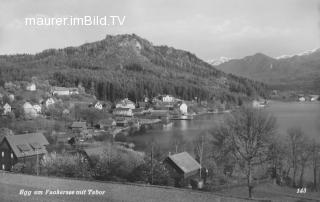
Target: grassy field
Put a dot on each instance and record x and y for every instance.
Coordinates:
(273, 192)
(12, 184)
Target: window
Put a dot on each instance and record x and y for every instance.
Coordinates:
(12, 155)
(2, 154)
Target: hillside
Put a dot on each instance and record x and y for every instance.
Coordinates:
(299, 72)
(129, 66)
(11, 184)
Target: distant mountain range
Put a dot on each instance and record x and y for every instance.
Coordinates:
(292, 72)
(129, 66)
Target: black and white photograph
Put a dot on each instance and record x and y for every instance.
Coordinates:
(160, 100)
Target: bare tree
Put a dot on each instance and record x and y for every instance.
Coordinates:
(315, 150)
(295, 135)
(304, 157)
(201, 149)
(276, 156)
(250, 132)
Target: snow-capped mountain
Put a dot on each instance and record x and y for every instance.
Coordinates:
(308, 52)
(298, 71)
(219, 61)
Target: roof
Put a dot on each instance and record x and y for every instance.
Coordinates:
(27, 144)
(56, 88)
(121, 109)
(106, 121)
(125, 101)
(79, 124)
(95, 151)
(185, 162)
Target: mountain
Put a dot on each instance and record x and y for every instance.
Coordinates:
(296, 72)
(129, 66)
(219, 61)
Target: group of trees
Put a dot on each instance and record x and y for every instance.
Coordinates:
(113, 164)
(248, 139)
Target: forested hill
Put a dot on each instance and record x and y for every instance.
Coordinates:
(129, 66)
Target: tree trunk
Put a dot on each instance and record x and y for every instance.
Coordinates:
(315, 176)
(249, 179)
(294, 176)
(301, 176)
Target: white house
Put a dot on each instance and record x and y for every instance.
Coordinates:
(167, 98)
(6, 109)
(29, 110)
(123, 112)
(37, 108)
(183, 108)
(302, 99)
(98, 105)
(31, 87)
(314, 98)
(126, 103)
(257, 104)
(49, 101)
(64, 91)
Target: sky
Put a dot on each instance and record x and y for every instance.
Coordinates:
(208, 28)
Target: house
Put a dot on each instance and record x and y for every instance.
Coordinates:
(314, 98)
(138, 111)
(49, 101)
(122, 112)
(90, 153)
(25, 148)
(182, 167)
(29, 111)
(122, 122)
(167, 98)
(60, 91)
(37, 108)
(158, 114)
(302, 99)
(73, 91)
(257, 104)
(6, 109)
(31, 87)
(126, 103)
(79, 126)
(183, 108)
(106, 124)
(98, 105)
(143, 105)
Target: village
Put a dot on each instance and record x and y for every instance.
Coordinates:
(54, 120)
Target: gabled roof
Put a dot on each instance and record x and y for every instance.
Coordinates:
(125, 101)
(95, 151)
(184, 162)
(27, 144)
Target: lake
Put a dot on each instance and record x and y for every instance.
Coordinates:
(289, 114)
(297, 114)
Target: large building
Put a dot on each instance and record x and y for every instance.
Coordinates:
(25, 148)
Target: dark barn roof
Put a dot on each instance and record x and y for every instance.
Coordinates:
(184, 164)
(27, 144)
